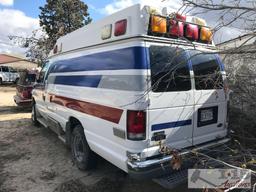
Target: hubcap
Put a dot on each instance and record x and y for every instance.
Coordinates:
(78, 148)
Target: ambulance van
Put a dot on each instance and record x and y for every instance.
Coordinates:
(133, 86)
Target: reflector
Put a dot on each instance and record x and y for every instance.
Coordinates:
(205, 34)
(176, 28)
(120, 27)
(191, 32)
(158, 24)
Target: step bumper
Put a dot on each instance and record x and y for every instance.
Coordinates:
(153, 168)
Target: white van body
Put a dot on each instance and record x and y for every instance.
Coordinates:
(8, 74)
(99, 82)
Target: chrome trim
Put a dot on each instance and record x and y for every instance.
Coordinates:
(19, 100)
(137, 165)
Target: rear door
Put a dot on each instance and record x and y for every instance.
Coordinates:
(171, 98)
(210, 101)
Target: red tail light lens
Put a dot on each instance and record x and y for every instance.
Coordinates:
(192, 32)
(25, 94)
(120, 27)
(136, 125)
(176, 28)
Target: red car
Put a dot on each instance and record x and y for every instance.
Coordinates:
(24, 88)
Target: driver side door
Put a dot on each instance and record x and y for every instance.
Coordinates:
(39, 92)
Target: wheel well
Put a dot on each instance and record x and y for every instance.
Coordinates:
(72, 123)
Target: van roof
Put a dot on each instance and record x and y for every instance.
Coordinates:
(137, 17)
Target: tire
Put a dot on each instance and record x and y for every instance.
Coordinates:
(1, 81)
(16, 81)
(34, 114)
(82, 155)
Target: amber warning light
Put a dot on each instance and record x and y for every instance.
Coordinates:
(177, 25)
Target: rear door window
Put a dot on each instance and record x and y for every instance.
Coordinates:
(169, 69)
(206, 70)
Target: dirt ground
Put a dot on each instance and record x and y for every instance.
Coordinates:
(33, 159)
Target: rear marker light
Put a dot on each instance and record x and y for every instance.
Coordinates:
(191, 32)
(136, 125)
(176, 28)
(120, 27)
(205, 34)
(158, 24)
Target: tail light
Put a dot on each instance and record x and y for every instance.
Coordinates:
(136, 125)
(25, 94)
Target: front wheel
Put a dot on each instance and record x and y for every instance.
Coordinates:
(34, 114)
(1, 81)
(82, 155)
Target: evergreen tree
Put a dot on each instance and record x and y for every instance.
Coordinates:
(59, 17)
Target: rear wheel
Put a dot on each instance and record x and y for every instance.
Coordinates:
(82, 155)
(34, 114)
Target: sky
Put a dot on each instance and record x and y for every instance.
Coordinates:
(20, 17)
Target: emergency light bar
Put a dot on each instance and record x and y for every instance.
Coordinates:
(177, 25)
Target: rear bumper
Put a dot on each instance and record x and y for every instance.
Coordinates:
(22, 102)
(156, 167)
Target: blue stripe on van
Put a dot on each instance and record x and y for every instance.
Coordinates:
(79, 80)
(169, 125)
(127, 58)
(222, 67)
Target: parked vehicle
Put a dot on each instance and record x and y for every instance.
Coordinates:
(8, 75)
(24, 88)
(126, 87)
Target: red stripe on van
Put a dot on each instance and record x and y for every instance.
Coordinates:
(100, 111)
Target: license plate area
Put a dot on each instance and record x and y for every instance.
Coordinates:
(207, 116)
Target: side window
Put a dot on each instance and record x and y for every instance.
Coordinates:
(5, 69)
(43, 72)
(206, 70)
(169, 69)
(12, 70)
